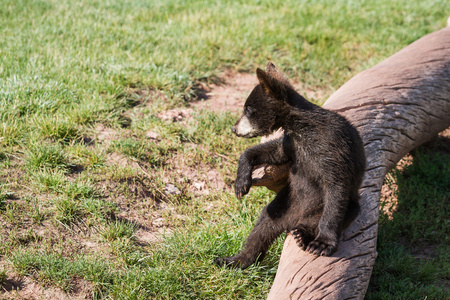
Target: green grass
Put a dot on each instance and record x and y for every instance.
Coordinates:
(63, 131)
(3, 195)
(37, 214)
(118, 229)
(413, 245)
(2, 276)
(44, 155)
(83, 188)
(48, 180)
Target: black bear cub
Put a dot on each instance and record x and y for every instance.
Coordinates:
(326, 158)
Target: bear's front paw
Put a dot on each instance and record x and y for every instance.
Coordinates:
(318, 247)
(242, 186)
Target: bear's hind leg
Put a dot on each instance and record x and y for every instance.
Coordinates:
(257, 244)
(330, 224)
(270, 225)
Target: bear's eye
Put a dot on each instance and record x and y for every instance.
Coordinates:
(249, 110)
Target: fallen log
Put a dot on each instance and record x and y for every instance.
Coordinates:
(396, 106)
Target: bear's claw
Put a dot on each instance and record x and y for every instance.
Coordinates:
(320, 248)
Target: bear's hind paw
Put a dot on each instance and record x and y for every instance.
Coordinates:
(229, 262)
(301, 238)
(320, 248)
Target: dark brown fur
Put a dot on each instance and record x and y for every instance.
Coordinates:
(326, 159)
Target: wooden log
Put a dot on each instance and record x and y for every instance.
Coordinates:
(397, 105)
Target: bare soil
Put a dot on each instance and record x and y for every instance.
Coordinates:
(389, 190)
(24, 287)
(229, 96)
(232, 93)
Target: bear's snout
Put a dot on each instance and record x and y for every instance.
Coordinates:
(233, 128)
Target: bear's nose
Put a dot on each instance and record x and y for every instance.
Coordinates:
(233, 129)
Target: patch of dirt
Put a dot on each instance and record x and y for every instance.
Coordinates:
(104, 135)
(176, 115)
(389, 190)
(158, 226)
(231, 95)
(28, 289)
(152, 136)
(202, 183)
(118, 159)
(24, 287)
(148, 237)
(198, 179)
(140, 203)
(94, 246)
(148, 95)
(151, 223)
(82, 289)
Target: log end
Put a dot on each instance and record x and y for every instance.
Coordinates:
(272, 177)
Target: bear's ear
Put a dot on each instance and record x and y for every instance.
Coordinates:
(274, 72)
(264, 80)
(271, 85)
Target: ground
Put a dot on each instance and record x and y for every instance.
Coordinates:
(136, 204)
(149, 209)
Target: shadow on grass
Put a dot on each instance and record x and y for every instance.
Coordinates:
(414, 237)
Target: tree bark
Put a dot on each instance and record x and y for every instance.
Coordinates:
(396, 106)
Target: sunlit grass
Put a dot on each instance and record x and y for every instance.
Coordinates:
(81, 85)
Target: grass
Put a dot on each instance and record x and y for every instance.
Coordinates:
(118, 230)
(413, 244)
(43, 155)
(85, 161)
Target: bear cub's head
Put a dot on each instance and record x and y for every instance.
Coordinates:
(268, 104)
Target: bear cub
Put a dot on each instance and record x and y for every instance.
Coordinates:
(326, 162)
